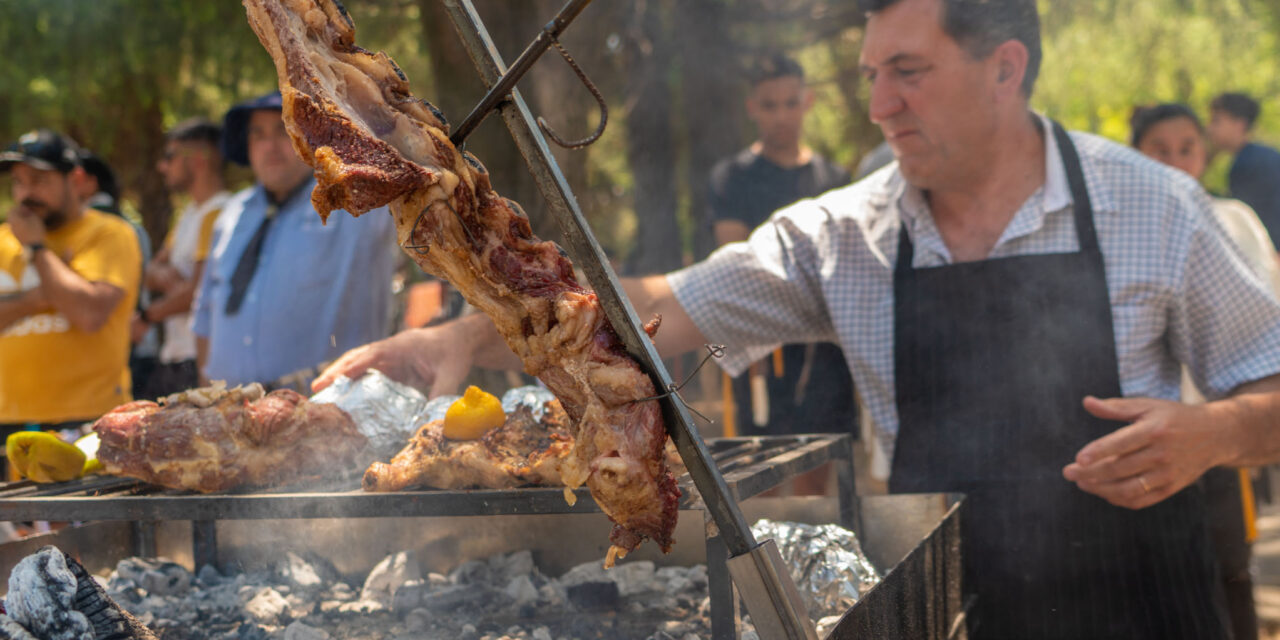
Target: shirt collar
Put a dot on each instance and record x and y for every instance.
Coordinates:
(1053, 196)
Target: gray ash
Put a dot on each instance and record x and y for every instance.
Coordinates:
(503, 597)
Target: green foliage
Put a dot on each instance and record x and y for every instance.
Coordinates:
(115, 73)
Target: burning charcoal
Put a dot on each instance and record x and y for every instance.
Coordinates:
(468, 632)
(471, 572)
(361, 606)
(522, 591)
(633, 577)
(54, 597)
(594, 595)
(552, 594)
(10, 630)
(506, 567)
(661, 635)
(388, 576)
(409, 595)
(437, 580)
(451, 598)
(168, 579)
(299, 631)
(267, 606)
(418, 620)
(542, 633)
(208, 576)
(312, 572)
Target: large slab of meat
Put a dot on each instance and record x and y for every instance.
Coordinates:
(371, 143)
(524, 450)
(214, 441)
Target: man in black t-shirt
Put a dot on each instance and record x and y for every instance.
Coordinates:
(802, 388)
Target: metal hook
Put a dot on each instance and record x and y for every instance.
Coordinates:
(604, 108)
(713, 351)
(423, 249)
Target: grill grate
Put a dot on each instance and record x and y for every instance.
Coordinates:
(749, 465)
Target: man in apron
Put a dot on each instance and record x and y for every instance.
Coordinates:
(1015, 305)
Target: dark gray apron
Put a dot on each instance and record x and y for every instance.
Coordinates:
(992, 360)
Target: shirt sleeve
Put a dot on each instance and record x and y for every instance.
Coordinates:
(113, 257)
(1224, 321)
(205, 239)
(202, 307)
(753, 296)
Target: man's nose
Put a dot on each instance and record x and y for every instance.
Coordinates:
(885, 102)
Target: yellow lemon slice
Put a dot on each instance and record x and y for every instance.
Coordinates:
(472, 415)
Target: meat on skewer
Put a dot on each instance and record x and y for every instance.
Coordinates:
(352, 118)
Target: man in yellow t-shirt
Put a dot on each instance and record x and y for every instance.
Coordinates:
(68, 282)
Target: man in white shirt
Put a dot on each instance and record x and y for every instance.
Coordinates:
(191, 165)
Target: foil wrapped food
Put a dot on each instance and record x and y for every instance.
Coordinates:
(826, 561)
(389, 413)
(385, 411)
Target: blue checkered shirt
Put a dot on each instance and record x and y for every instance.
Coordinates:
(822, 270)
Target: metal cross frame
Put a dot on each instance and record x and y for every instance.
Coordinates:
(758, 571)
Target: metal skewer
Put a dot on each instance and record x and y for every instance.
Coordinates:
(758, 570)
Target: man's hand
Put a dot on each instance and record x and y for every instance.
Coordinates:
(433, 359)
(161, 276)
(1167, 446)
(27, 226)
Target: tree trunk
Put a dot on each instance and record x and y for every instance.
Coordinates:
(712, 88)
(649, 144)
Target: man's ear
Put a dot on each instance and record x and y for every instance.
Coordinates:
(809, 98)
(1010, 60)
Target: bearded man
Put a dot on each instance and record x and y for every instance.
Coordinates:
(69, 277)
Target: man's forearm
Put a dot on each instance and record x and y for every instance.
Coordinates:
(16, 306)
(87, 305)
(1252, 415)
(650, 296)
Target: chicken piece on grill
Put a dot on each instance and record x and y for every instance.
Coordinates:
(352, 118)
(523, 451)
(217, 441)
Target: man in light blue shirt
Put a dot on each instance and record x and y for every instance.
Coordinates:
(281, 291)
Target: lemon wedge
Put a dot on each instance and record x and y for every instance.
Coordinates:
(473, 415)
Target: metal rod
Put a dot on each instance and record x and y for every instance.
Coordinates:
(503, 85)
(755, 575)
(589, 256)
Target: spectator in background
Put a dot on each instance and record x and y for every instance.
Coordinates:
(1172, 134)
(101, 192)
(802, 388)
(100, 189)
(281, 290)
(191, 165)
(68, 280)
(1255, 172)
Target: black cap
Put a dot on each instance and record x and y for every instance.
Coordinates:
(43, 149)
(235, 126)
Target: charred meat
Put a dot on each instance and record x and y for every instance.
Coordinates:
(217, 440)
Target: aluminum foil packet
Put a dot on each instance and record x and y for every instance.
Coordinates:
(385, 411)
(532, 396)
(826, 562)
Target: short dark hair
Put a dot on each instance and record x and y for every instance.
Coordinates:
(1146, 116)
(773, 66)
(1239, 106)
(979, 26)
(199, 130)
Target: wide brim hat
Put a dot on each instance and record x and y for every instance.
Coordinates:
(235, 126)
